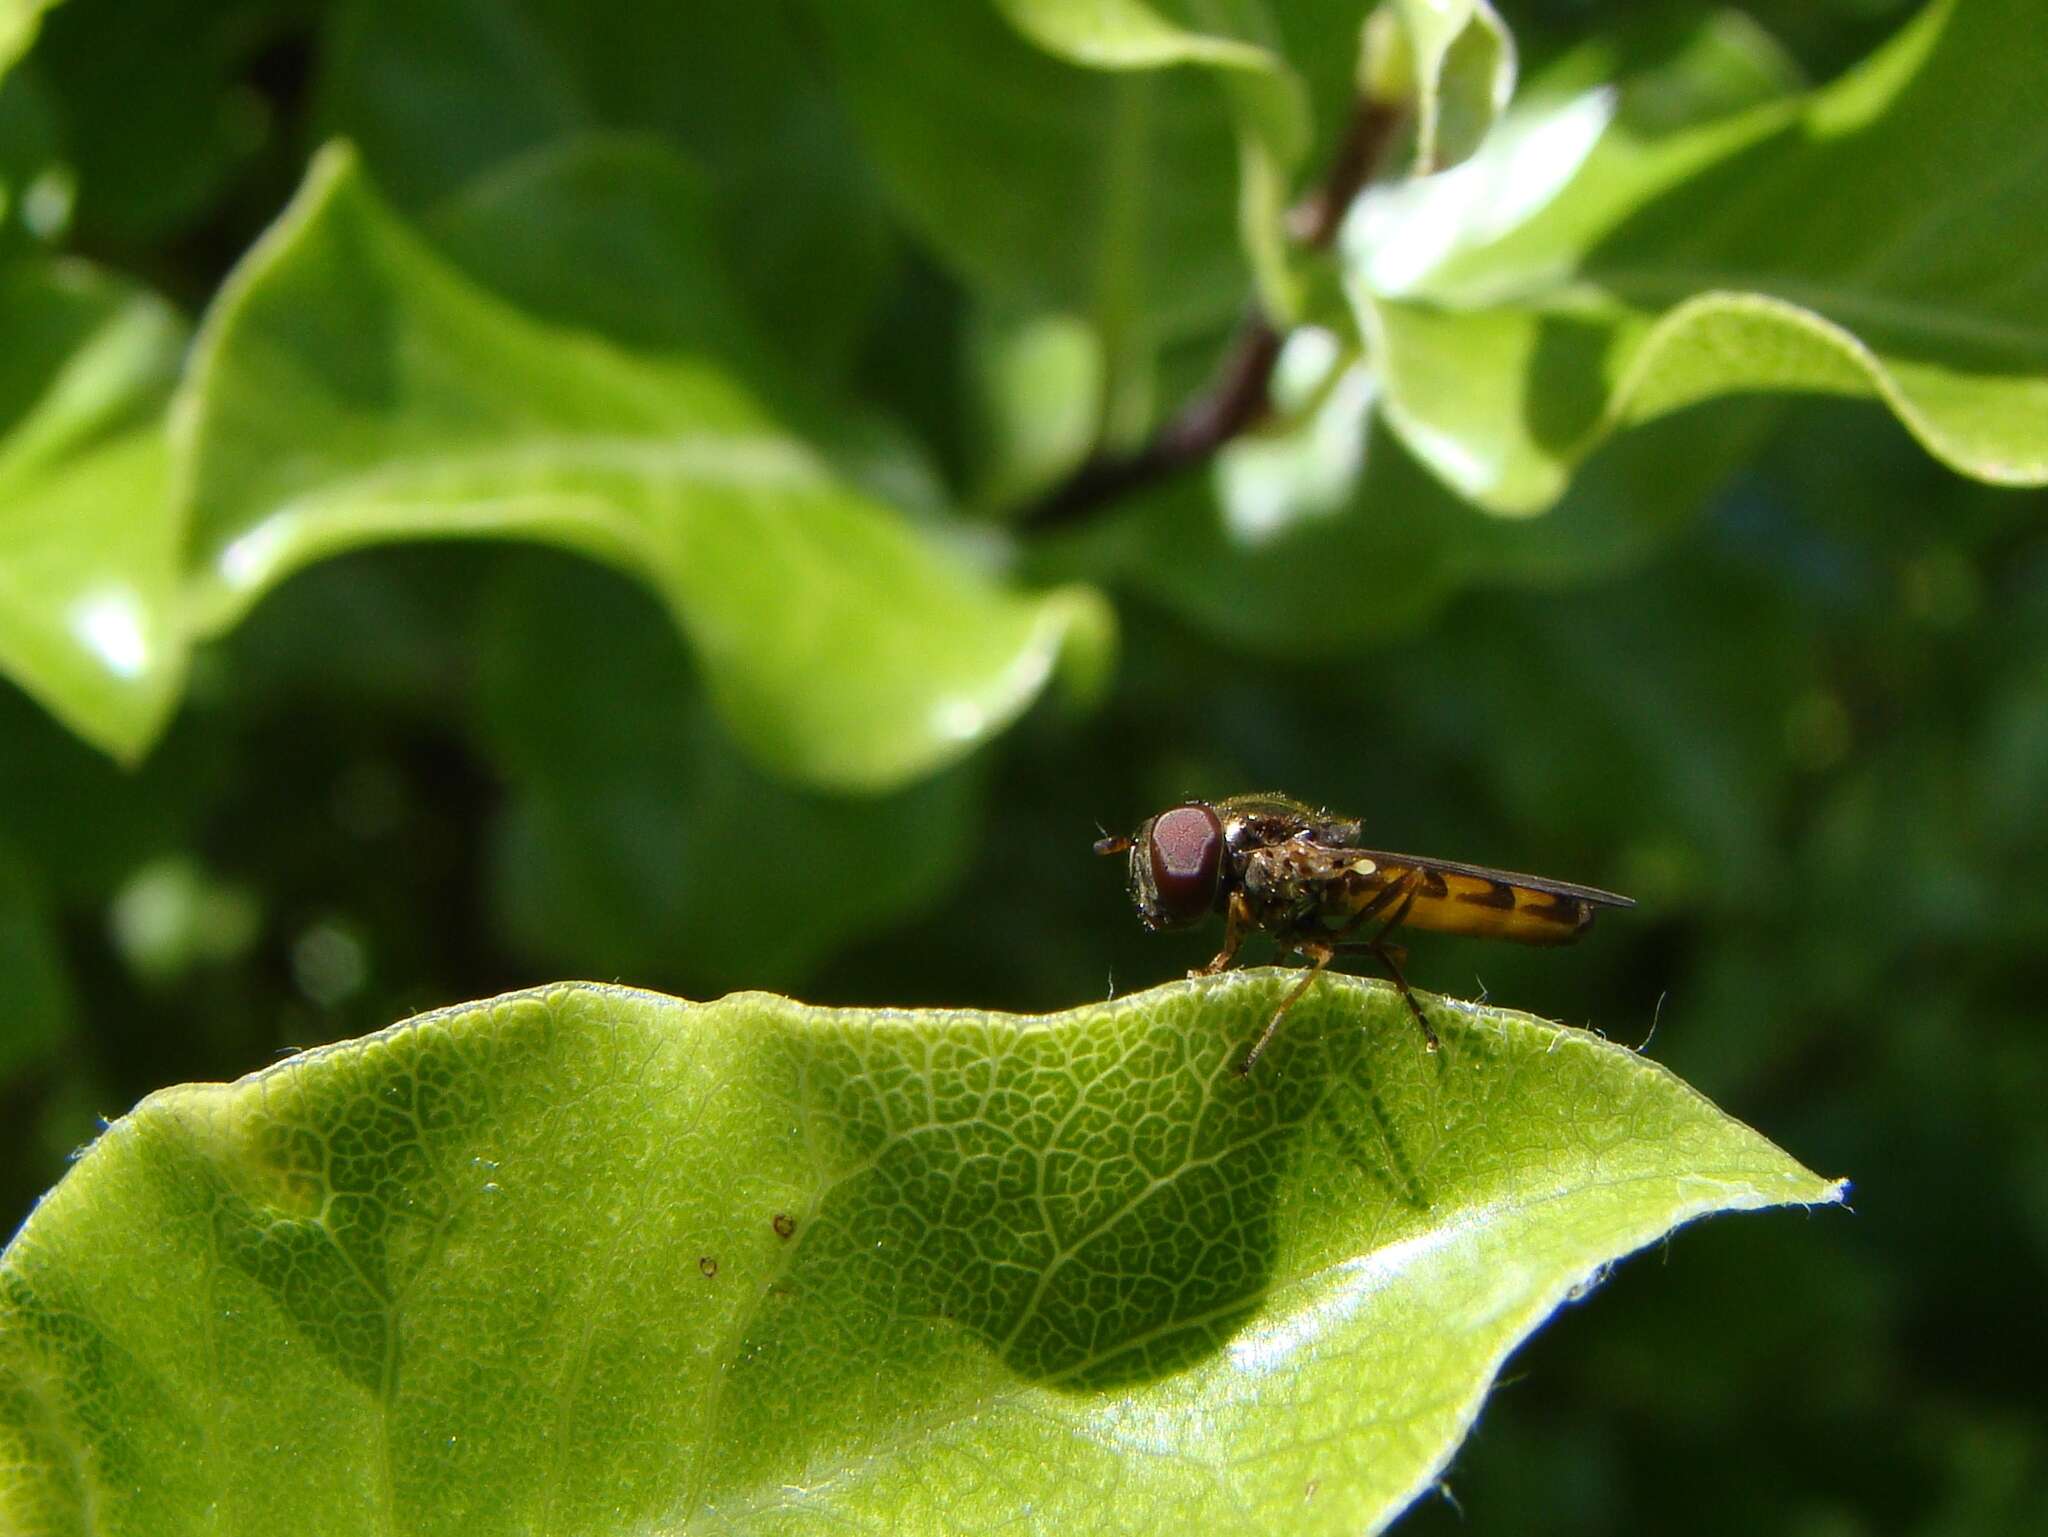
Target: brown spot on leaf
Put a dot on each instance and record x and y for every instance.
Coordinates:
(784, 1224)
(708, 1265)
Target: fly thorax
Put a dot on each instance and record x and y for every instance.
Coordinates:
(1346, 890)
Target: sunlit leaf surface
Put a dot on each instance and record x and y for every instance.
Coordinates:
(1464, 68)
(18, 20)
(352, 388)
(88, 541)
(1853, 241)
(587, 1259)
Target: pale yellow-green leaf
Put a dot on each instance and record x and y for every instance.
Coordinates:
(88, 535)
(351, 387)
(1857, 240)
(594, 1260)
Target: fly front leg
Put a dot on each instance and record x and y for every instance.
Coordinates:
(1237, 922)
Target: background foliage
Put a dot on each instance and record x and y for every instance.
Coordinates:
(757, 325)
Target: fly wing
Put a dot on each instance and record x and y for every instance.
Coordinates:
(1453, 898)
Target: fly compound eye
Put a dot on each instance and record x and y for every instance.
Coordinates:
(1185, 850)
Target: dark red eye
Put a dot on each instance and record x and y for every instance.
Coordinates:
(1187, 850)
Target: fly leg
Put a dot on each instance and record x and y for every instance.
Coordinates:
(1320, 952)
(1392, 959)
(1237, 923)
(1319, 956)
(1384, 954)
(1391, 956)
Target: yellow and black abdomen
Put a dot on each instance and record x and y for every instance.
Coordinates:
(1300, 887)
(1482, 908)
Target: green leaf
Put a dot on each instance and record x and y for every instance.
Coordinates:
(591, 1259)
(1039, 385)
(160, 114)
(609, 232)
(1325, 534)
(638, 841)
(439, 95)
(1828, 243)
(19, 20)
(349, 387)
(1268, 104)
(1462, 61)
(88, 545)
(1126, 34)
(1044, 185)
(617, 234)
(1103, 183)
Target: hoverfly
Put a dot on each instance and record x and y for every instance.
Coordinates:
(1270, 863)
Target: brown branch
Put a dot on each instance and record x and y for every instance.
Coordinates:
(1236, 398)
(1237, 395)
(1315, 220)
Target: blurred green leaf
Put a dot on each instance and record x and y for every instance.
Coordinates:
(635, 222)
(793, 1267)
(638, 842)
(350, 387)
(1040, 382)
(159, 109)
(1127, 34)
(88, 545)
(1105, 184)
(1268, 105)
(1827, 243)
(1462, 60)
(1305, 464)
(1048, 187)
(629, 217)
(438, 93)
(1323, 534)
(1323, 487)
(18, 22)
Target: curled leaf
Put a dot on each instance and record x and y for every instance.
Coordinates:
(351, 387)
(1818, 243)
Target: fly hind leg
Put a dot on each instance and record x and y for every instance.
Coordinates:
(1391, 956)
(1384, 954)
